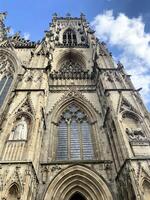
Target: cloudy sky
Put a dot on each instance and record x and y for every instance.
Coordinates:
(123, 24)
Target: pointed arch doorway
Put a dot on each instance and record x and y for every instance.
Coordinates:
(77, 196)
(78, 183)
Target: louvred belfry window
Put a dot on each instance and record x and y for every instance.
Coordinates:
(74, 135)
(69, 37)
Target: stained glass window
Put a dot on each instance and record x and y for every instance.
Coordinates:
(74, 135)
(5, 84)
(6, 71)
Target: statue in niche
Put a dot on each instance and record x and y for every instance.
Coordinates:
(19, 132)
(135, 134)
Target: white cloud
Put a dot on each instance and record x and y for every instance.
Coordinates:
(26, 36)
(128, 35)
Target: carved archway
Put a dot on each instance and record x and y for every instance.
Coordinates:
(78, 180)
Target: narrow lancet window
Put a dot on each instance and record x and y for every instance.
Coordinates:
(6, 76)
(5, 84)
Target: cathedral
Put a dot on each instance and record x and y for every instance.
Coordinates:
(72, 125)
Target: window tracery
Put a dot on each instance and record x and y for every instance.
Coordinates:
(71, 66)
(74, 135)
(6, 77)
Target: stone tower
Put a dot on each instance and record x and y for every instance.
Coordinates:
(72, 125)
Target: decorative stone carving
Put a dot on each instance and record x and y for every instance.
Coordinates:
(70, 70)
(6, 66)
(28, 76)
(26, 106)
(44, 174)
(20, 131)
(126, 105)
(55, 168)
(3, 29)
(136, 134)
(108, 77)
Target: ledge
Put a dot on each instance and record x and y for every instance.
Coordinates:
(29, 90)
(64, 162)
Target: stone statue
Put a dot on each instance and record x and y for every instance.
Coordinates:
(20, 130)
(130, 133)
(135, 134)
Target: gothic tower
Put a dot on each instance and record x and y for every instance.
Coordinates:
(72, 125)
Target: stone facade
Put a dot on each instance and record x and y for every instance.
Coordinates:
(72, 124)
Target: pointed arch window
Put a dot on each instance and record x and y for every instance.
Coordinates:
(74, 135)
(6, 75)
(69, 37)
(5, 84)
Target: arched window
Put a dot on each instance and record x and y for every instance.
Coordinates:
(5, 84)
(69, 37)
(74, 135)
(6, 75)
(77, 196)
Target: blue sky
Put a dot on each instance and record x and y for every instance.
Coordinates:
(123, 24)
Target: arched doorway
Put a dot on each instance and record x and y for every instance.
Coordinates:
(77, 196)
(78, 183)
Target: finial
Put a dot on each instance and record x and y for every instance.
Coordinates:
(54, 17)
(55, 14)
(68, 15)
(3, 16)
(17, 34)
(120, 65)
(82, 16)
(3, 29)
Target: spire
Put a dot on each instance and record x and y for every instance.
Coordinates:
(3, 29)
(82, 16)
